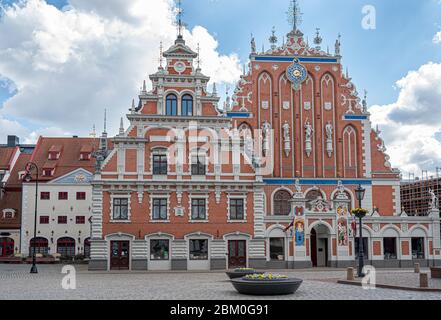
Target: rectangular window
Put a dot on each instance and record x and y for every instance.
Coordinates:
(198, 209)
(160, 165)
(198, 167)
(418, 248)
(81, 196)
(198, 249)
(54, 155)
(159, 209)
(85, 156)
(390, 248)
(159, 250)
(80, 220)
(277, 249)
(121, 209)
(63, 195)
(44, 220)
(62, 220)
(237, 209)
(45, 196)
(48, 172)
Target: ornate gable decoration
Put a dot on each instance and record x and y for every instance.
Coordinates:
(79, 176)
(296, 73)
(319, 205)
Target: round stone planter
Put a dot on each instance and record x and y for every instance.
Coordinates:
(239, 274)
(273, 287)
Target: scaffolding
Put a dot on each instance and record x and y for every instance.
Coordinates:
(415, 196)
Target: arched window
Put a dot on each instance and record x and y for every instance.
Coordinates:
(312, 196)
(6, 247)
(349, 198)
(66, 247)
(171, 105)
(39, 245)
(282, 206)
(187, 105)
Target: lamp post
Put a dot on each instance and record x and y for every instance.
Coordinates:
(28, 178)
(359, 193)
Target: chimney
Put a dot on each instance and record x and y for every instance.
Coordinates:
(13, 141)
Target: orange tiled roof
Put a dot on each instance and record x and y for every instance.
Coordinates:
(69, 158)
(6, 155)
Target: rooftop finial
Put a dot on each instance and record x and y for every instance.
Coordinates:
(253, 44)
(338, 46)
(273, 39)
(199, 57)
(121, 127)
(318, 39)
(105, 121)
(294, 15)
(180, 13)
(93, 133)
(160, 55)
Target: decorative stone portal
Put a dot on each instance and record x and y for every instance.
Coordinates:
(320, 246)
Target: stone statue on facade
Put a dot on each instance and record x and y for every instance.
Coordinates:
(434, 202)
(329, 144)
(308, 138)
(266, 130)
(287, 138)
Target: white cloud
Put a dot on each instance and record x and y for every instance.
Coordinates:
(68, 65)
(411, 126)
(437, 38)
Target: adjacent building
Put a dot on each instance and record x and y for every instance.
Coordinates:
(13, 158)
(266, 182)
(64, 198)
(416, 196)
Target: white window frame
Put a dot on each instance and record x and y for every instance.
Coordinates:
(160, 151)
(237, 197)
(159, 196)
(198, 197)
(120, 196)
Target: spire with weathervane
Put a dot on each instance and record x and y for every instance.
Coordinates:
(295, 17)
(179, 23)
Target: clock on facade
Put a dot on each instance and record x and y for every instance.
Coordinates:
(296, 73)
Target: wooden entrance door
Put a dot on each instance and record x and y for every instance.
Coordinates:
(237, 254)
(119, 255)
(6, 247)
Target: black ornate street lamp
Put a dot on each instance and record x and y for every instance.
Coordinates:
(360, 214)
(28, 178)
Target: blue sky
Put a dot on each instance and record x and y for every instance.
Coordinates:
(55, 58)
(376, 58)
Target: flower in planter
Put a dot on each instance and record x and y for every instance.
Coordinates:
(359, 212)
(265, 276)
(244, 269)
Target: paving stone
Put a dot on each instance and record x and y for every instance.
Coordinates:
(17, 283)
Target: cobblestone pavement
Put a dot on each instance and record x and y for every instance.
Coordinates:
(17, 283)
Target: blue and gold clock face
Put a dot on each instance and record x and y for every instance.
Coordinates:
(297, 74)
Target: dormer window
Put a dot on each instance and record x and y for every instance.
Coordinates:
(86, 153)
(48, 172)
(187, 105)
(171, 105)
(54, 156)
(8, 214)
(85, 156)
(54, 153)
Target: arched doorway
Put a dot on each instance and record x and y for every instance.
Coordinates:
(320, 245)
(6, 247)
(39, 245)
(66, 247)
